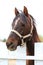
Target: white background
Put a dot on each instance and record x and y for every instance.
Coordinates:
(35, 8)
(38, 62)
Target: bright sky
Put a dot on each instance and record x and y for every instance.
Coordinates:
(35, 8)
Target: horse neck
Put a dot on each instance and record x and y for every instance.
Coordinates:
(30, 44)
(35, 36)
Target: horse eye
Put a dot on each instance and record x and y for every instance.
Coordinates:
(23, 25)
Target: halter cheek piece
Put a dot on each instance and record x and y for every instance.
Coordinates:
(26, 36)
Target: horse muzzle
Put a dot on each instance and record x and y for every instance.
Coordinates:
(11, 46)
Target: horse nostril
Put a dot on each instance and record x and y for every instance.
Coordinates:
(8, 44)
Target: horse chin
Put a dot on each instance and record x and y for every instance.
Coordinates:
(12, 49)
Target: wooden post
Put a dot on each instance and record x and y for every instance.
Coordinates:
(11, 62)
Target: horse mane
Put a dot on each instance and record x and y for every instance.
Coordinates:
(35, 34)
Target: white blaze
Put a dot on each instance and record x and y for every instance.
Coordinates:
(16, 22)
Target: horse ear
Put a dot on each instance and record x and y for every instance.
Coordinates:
(16, 12)
(25, 11)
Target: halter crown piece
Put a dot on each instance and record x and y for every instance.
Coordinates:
(24, 37)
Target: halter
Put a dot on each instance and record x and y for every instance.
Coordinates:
(26, 36)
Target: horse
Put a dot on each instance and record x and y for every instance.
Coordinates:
(23, 30)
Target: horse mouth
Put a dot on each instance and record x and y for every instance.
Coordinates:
(12, 49)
